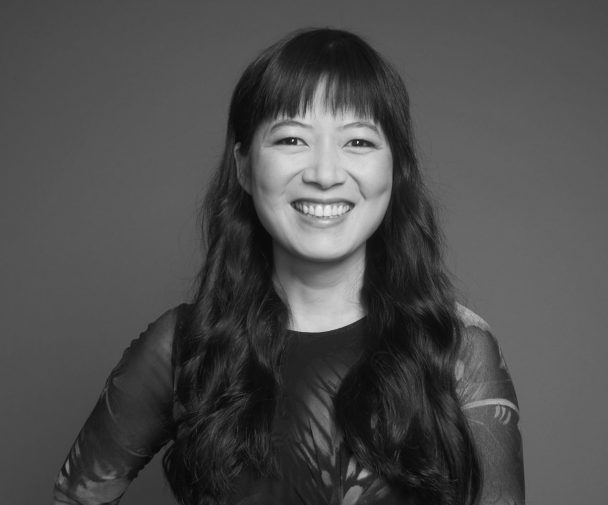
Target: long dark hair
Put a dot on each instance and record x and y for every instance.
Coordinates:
(397, 407)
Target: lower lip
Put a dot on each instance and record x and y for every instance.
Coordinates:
(321, 221)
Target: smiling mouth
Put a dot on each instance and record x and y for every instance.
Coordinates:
(322, 211)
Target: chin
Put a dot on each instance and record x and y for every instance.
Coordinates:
(326, 255)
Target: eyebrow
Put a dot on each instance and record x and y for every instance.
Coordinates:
(362, 124)
(288, 122)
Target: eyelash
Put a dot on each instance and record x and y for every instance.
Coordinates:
(288, 141)
(295, 141)
(362, 143)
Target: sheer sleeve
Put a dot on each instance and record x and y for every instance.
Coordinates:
(489, 403)
(131, 421)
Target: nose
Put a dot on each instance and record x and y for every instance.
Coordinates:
(325, 169)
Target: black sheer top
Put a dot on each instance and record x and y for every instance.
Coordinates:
(135, 417)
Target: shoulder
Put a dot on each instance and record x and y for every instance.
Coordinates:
(468, 318)
(161, 332)
(478, 342)
(480, 368)
(141, 384)
(153, 348)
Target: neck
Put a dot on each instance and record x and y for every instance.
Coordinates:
(321, 295)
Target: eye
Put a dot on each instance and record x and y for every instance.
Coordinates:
(360, 143)
(290, 141)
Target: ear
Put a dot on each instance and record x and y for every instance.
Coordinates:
(243, 172)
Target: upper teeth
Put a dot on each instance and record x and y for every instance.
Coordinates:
(319, 210)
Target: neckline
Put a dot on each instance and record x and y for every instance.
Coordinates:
(328, 333)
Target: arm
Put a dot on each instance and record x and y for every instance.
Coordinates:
(489, 403)
(131, 421)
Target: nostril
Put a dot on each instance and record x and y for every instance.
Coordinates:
(324, 175)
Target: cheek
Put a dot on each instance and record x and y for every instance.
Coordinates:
(267, 201)
(384, 199)
(378, 184)
(381, 174)
(266, 178)
(266, 216)
(386, 185)
(266, 193)
(379, 193)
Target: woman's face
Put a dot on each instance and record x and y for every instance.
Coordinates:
(320, 182)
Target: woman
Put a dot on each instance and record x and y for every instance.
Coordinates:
(323, 359)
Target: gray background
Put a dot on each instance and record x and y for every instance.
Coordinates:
(112, 115)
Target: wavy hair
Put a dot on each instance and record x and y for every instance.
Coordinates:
(397, 406)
